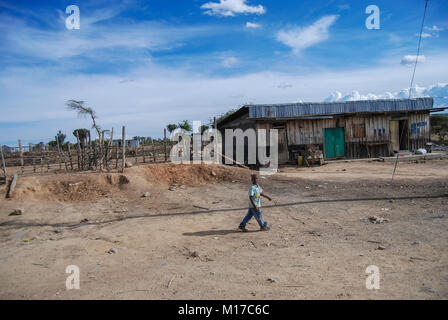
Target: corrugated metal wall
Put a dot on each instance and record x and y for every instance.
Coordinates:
(419, 130)
(302, 109)
(364, 136)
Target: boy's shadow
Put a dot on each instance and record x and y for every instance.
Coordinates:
(215, 233)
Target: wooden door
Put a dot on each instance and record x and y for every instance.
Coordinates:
(394, 135)
(283, 153)
(334, 143)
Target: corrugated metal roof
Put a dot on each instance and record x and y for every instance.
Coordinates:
(330, 108)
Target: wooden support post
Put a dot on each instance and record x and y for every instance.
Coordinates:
(21, 156)
(70, 156)
(61, 154)
(101, 150)
(48, 160)
(12, 185)
(109, 148)
(234, 161)
(89, 152)
(143, 151)
(32, 157)
(84, 151)
(95, 155)
(164, 144)
(123, 151)
(153, 151)
(3, 161)
(215, 140)
(116, 156)
(78, 148)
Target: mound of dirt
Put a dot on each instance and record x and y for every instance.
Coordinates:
(91, 185)
(190, 175)
(69, 187)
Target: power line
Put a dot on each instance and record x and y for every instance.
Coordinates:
(418, 49)
(410, 88)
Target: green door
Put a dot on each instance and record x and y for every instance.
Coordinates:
(334, 143)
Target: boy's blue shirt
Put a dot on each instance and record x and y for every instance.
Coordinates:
(255, 192)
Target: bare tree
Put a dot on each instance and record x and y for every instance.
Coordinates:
(83, 111)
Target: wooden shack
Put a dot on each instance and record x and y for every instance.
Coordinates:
(352, 129)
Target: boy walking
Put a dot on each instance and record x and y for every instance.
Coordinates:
(255, 192)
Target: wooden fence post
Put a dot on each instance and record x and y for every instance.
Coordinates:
(95, 155)
(21, 156)
(109, 148)
(123, 151)
(32, 157)
(153, 150)
(70, 157)
(12, 186)
(215, 140)
(60, 153)
(47, 158)
(164, 144)
(89, 152)
(78, 147)
(116, 156)
(3, 161)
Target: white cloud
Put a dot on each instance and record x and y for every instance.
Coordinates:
(434, 28)
(51, 44)
(252, 25)
(301, 38)
(438, 91)
(229, 62)
(149, 96)
(410, 60)
(432, 32)
(425, 35)
(230, 8)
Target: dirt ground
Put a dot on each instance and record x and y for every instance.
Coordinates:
(183, 243)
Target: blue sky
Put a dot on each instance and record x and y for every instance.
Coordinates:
(145, 64)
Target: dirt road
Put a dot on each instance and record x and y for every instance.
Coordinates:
(183, 244)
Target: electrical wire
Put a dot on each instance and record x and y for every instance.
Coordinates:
(410, 88)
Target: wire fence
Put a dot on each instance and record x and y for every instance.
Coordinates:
(84, 155)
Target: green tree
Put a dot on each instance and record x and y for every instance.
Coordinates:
(221, 117)
(203, 128)
(439, 126)
(171, 127)
(53, 144)
(185, 125)
(82, 134)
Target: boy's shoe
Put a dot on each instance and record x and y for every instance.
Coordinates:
(265, 228)
(242, 228)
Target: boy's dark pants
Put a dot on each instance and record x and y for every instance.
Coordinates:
(254, 213)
